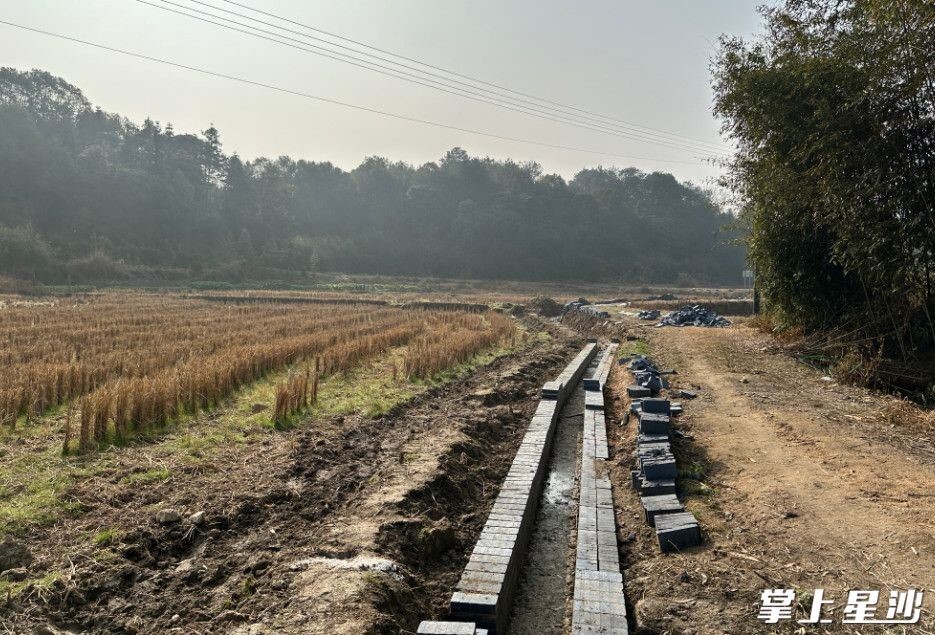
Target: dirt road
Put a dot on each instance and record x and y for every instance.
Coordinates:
(798, 483)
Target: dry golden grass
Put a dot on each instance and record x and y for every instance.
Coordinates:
(298, 392)
(454, 340)
(909, 415)
(126, 363)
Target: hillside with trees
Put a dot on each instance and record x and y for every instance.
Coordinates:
(88, 196)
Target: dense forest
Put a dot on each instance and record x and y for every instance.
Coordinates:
(88, 196)
(833, 111)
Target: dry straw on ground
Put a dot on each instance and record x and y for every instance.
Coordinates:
(126, 363)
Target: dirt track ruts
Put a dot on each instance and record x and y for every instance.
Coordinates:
(812, 489)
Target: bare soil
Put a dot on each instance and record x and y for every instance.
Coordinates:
(798, 482)
(351, 525)
(355, 525)
(539, 605)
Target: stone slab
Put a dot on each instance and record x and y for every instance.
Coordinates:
(654, 423)
(655, 406)
(638, 391)
(677, 531)
(653, 506)
(655, 488)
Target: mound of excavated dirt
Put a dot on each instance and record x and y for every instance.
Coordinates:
(545, 306)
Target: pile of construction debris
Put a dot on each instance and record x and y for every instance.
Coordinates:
(648, 314)
(695, 315)
(583, 306)
(648, 380)
(655, 470)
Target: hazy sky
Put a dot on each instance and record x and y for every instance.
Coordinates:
(638, 61)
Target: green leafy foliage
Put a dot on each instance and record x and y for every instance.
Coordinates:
(834, 114)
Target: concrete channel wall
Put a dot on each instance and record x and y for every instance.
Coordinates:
(599, 605)
(483, 597)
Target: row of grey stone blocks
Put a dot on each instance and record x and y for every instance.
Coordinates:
(654, 478)
(562, 386)
(598, 379)
(599, 604)
(483, 596)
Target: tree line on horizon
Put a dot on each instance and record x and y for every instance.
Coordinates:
(89, 196)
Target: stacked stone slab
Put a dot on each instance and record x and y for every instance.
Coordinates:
(656, 469)
(561, 387)
(598, 379)
(599, 604)
(587, 309)
(449, 628)
(648, 380)
(483, 596)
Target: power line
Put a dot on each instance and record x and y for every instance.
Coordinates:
(408, 77)
(498, 94)
(461, 75)
(335, 102)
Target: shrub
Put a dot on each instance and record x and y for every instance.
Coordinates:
(24, 254)
(98, 266)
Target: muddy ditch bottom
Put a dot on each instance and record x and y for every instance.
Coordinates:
(539, 605)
